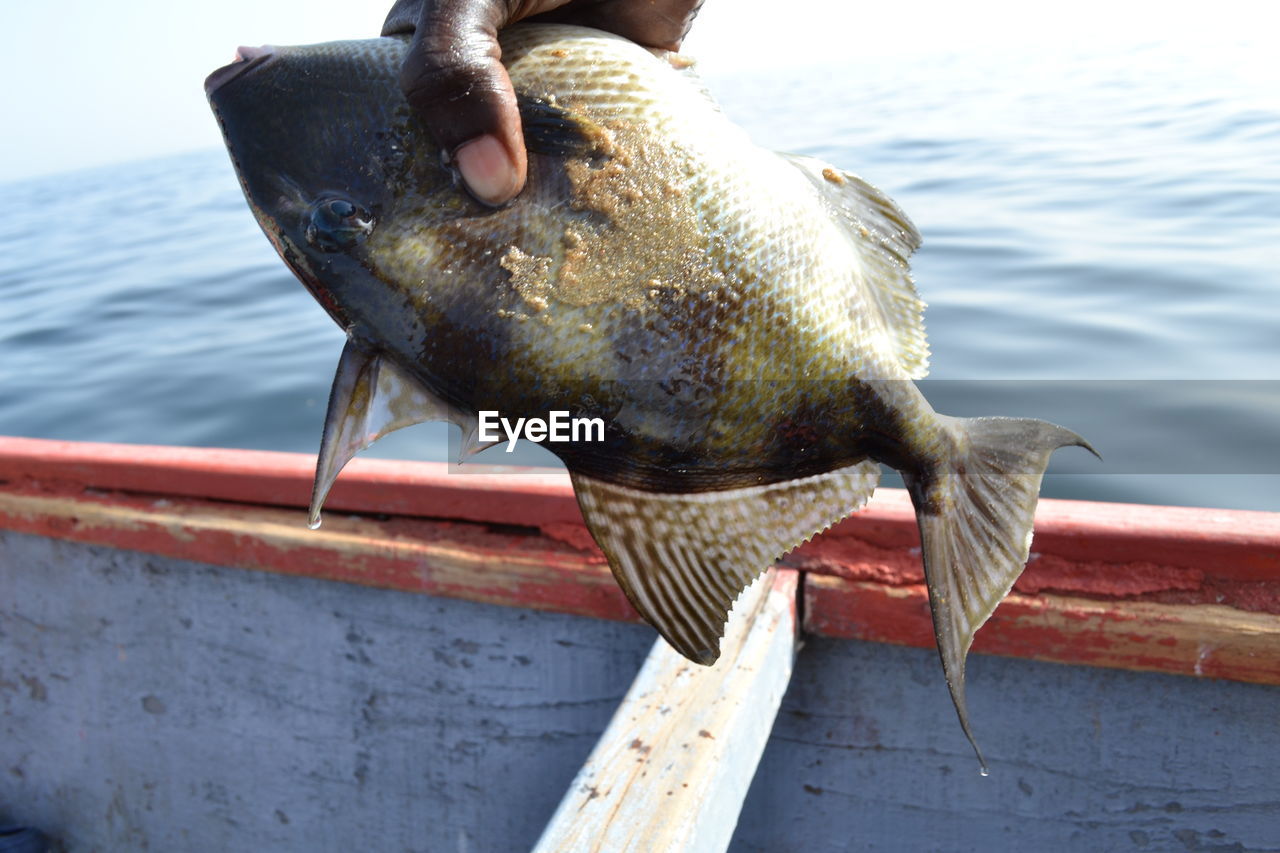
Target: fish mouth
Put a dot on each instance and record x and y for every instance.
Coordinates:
(247, 58)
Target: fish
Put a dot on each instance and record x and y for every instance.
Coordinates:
(744, 323)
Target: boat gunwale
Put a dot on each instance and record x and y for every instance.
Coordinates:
(1172, 589)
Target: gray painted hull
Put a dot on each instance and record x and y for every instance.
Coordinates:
(157, 704)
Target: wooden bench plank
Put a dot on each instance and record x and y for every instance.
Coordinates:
(673, 767)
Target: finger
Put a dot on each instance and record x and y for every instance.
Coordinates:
(453, 78)
(652, 23)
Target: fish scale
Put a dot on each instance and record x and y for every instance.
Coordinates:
(743, 323)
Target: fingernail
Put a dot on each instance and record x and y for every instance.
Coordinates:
(487, 170)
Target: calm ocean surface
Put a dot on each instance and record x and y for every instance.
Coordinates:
(1102, 249)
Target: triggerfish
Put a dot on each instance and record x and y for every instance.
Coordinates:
(744, 323)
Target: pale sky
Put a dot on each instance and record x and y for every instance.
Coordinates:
(90, 82)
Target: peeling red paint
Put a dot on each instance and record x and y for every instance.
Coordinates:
(1175, 589)
(1093, 549)
(1134, 635)
(574, 535)
(857, 559)
(1052, 572)
(496, 494)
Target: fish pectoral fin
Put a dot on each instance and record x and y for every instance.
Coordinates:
(883, 238)
(975, 514)
(683, 558)
(370, 397)
(555, 131)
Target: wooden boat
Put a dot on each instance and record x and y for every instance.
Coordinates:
(447, 665)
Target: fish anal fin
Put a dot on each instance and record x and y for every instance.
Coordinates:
(883, 238)
(683, 558)
(975, 513)
(370, 397)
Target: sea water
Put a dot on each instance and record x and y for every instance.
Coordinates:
(1100, 248)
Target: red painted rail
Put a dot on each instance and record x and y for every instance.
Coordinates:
(1193, 591)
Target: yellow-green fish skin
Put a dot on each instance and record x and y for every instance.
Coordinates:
(744, 322)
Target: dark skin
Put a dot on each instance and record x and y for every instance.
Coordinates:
(454, 78)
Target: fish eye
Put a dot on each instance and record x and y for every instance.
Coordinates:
(336, 224)
(342, 208)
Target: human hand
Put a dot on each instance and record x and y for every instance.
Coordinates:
(454, 78)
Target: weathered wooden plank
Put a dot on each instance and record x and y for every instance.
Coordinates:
(1230, 543)
(866, 756)
(672, 769)
(1198, 639)
(511, 567)
(150, 704)
(434, 531)
(1177, 551)
(492, 493)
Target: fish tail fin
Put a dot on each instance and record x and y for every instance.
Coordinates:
(975, 510)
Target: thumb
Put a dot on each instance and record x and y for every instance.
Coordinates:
(453, 78)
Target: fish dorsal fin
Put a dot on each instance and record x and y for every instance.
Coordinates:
(686, 67)
(884, 239)
(682, 559)
(371, 397)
